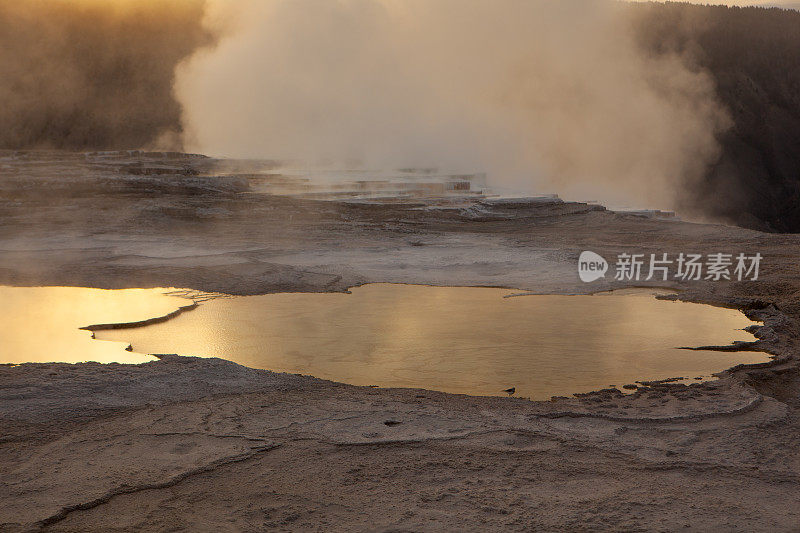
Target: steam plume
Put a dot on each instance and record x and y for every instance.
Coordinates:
(547, 96)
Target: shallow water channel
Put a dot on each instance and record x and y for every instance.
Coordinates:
(454, 339)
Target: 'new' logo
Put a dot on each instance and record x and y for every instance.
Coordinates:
(591, 267)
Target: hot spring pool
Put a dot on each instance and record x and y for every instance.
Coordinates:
(453, 339)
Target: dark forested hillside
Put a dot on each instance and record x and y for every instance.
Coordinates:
(754, 56)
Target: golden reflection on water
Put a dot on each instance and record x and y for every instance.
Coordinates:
(41, 324)
(462, 340)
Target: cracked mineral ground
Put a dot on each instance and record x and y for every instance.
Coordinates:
(184, 443)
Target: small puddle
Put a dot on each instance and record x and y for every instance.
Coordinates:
(453, 339)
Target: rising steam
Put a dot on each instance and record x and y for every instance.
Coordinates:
(94, 74)
(546, 96)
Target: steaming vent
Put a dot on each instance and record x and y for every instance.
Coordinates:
(368, 185)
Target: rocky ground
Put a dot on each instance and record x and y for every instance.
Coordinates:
(204, 444)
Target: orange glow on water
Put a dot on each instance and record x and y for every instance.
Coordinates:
(41, 324)
(463, 340)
